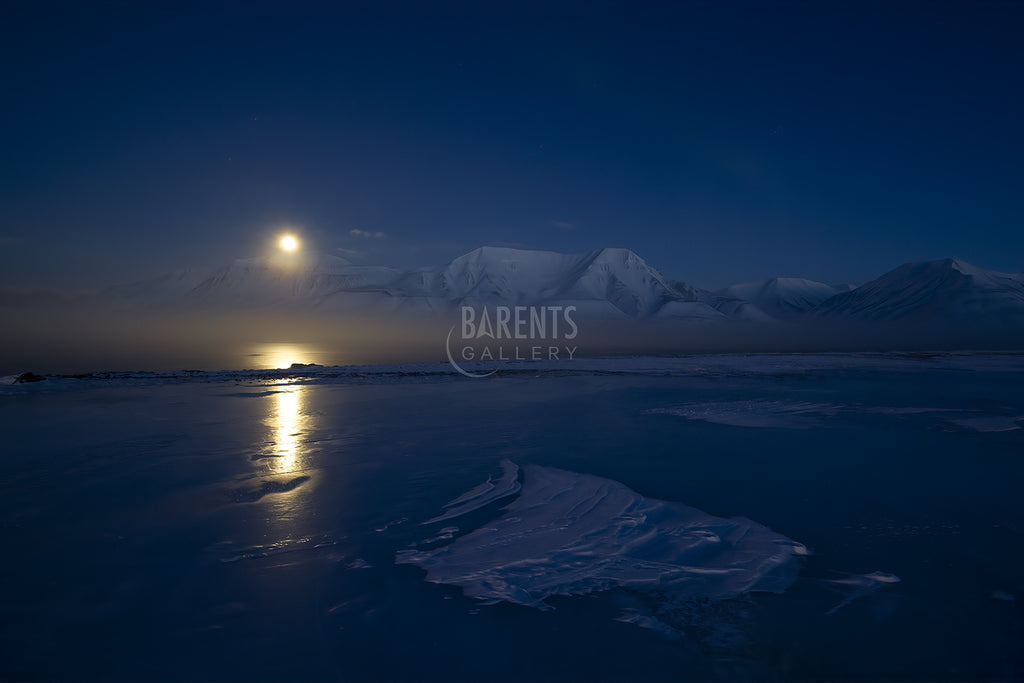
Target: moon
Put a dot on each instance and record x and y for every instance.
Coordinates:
(289, 243)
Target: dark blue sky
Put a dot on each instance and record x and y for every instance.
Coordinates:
(721, 141)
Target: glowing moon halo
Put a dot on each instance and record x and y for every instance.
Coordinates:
(289, 243)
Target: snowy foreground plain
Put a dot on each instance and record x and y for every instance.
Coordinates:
(735, 517)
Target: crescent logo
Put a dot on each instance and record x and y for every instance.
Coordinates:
(451, 359)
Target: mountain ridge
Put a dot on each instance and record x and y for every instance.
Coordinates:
(949, 288)
(606, 283)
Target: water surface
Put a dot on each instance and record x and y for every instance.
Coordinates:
(248, 529)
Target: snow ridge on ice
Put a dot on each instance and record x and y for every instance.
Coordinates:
(573, 534)
(484, 494)
(862, 585)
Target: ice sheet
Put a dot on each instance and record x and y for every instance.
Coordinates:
(991, 423)
(572, 534)
(786, 414)
(806, 415)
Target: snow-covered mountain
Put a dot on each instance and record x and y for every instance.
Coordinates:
(783, 297)
(161, 289)
(611, 284)
(733, 308)
(602, 283)
(943, 291)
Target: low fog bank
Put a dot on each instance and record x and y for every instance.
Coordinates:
(79, 341)
(818, 335)
(65, 339)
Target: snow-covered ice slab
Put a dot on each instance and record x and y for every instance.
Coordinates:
(991, 423)
(785, 414)
(572, 534)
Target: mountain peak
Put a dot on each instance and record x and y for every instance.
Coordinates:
(782, 297)
(618, 253)
(947, 289)
(609, 282)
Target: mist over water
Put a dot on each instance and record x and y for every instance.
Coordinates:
(91, 341)
(68, 340)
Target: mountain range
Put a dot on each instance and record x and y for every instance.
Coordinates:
(611, 284)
